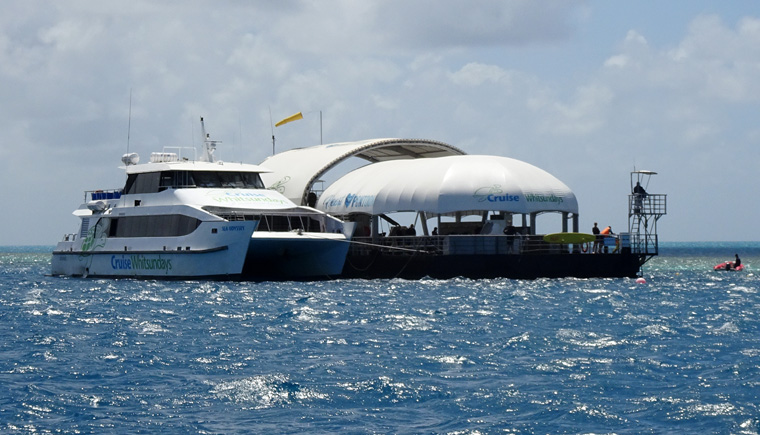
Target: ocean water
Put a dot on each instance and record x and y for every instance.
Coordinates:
(679, 354)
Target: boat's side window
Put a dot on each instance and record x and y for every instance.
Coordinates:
(296, 223)
(234, 180)
(153, 226)
(113, 228)
(206, 179)
(183, 179)
(142, 183)
(130, 183)
(274, 223)
(152, 182)
(167, 181)
(264, 223)
(313, 225)
(231, 179)
(176, 180)
(253, 180)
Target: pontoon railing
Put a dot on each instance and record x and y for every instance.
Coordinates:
(490, 245)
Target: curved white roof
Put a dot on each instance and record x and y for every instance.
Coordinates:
(446, 185)
(294, 171)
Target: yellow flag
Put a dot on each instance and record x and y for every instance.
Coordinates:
(291, 118)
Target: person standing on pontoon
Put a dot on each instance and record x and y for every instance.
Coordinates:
(639, 194)
(597, 239)
(510, 231)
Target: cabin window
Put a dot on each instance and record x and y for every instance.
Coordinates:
(206, 179)
(147, 182)
(152, 182)
(252, 180)
(166, 181)
(153, 226)
(176, 180)
(231, 179)
(130, 183)
(234, 180)
(276, 223)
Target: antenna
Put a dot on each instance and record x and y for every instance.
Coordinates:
(240, 137)
(129, 121)
(130, 158)
(209, 145)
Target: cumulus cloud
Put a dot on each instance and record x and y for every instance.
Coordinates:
(713, 60)
(474, 74)
(399, 27)
(581, 116)
(489, 77)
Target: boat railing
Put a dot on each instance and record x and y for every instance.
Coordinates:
(71, 237)
(182, 153)
(648, 204)
(102, 195)
(482, 245)
(645, 244)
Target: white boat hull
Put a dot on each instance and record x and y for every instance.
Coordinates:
(221, 255)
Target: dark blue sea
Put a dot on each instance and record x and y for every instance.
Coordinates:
(679, 354)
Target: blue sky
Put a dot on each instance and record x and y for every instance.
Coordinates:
(583, 89)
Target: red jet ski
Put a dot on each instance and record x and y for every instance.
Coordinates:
(728, 265)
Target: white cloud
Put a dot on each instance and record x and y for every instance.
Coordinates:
(634, 38)
(512, 78)
(71, 35)
(474, 74)
(619, 61)
(396, 27)
(583, 115)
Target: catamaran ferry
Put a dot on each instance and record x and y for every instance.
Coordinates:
(181, 218)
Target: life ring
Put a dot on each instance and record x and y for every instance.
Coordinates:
(584, 247)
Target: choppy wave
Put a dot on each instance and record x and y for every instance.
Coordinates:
(676, 355)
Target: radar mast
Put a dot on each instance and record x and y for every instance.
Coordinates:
(209, 146)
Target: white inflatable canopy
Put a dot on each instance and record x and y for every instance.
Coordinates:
(294, 171)
(465, 183)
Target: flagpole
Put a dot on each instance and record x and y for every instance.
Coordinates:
(291, 118)
(271, 125)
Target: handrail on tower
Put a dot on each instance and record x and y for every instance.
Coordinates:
(644, 210)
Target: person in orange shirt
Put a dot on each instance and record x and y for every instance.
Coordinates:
(607, 232)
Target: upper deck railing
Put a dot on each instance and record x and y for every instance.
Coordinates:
(100, 195)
